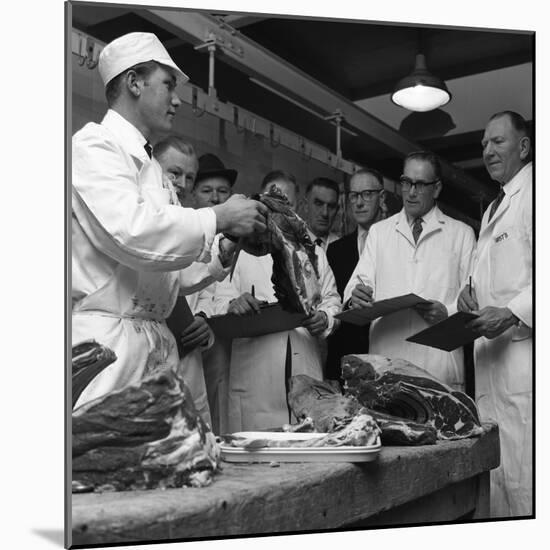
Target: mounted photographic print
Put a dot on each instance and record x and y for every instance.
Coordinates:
(228, 165)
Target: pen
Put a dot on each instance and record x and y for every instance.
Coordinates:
(253, 292)
(361, 281)
(470, 286)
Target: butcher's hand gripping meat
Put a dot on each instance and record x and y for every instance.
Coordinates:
(399, 388)
(144, 436)
(295, 273)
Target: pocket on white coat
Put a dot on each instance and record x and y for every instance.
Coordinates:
(507, 264)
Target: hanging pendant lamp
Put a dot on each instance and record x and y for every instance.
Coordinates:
(421, 91)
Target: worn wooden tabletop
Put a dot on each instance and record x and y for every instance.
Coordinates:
(258, 498)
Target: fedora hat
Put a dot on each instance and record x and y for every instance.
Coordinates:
(210, 166)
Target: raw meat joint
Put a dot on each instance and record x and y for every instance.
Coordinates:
(295, 274)
(144, 436)
(409, 405)
(399, 388)
(89, 359)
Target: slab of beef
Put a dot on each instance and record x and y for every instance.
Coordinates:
(88, 359)
(320, 406)
(295, 274)
(399, 388)
(143, 436)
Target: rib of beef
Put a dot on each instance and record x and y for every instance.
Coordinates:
(320, 407)
(143, 436)
(295, 274)
(399, 388)
(88, 359)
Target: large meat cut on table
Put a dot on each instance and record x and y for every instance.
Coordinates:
(399, 388)
(319, 406)
(410, 406)
(295, 273)
(144, 436)
(88, 359)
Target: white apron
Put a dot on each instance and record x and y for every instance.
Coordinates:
(127, 315)
(257, 377)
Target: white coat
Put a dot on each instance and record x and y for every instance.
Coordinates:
(191, 365)
(257, 392)
(435, 268)
(130, 237)
(502, 277)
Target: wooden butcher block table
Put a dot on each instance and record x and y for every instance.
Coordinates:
(406, 485)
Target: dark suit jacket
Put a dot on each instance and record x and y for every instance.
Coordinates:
(343, 257)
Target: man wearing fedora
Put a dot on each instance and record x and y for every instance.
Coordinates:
(213, 183)
(130, 236)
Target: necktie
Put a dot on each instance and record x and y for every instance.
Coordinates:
(417, 229)
(361, 243)
(149, 149)
(496, 202)
(319, 242)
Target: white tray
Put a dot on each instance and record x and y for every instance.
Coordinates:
(297, 454)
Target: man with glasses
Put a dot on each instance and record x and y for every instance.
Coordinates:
(366, 188)
(419, 250)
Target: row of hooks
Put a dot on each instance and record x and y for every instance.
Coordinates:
(88, 52)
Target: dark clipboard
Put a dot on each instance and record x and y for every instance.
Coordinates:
(449, 334)
(271, 318)
(365, 315)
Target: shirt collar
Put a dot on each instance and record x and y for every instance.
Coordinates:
(515, 183)
(427, 217)
(127, 133)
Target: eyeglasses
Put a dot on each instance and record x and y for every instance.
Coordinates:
(420, 186)
(366, 195)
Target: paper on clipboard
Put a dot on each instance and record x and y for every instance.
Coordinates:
(380, 308)
(448, 334)
(271, 318)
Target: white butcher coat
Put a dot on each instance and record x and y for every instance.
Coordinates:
(257, 394)
(130, 238)
(435, 268)
(502, 277)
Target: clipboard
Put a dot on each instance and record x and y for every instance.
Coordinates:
(363, 316)
(271, 318)
(449, 334)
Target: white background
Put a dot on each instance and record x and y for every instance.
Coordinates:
(32, 280)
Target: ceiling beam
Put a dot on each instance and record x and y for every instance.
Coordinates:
(240, 21)
(254, 60)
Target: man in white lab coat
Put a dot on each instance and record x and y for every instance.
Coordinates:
(502, 296)
(257, 378)
(418, 250)
(130, 236)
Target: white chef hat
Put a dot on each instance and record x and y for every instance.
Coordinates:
(129, 50)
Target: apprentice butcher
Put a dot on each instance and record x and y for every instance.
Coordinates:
(130, 236)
